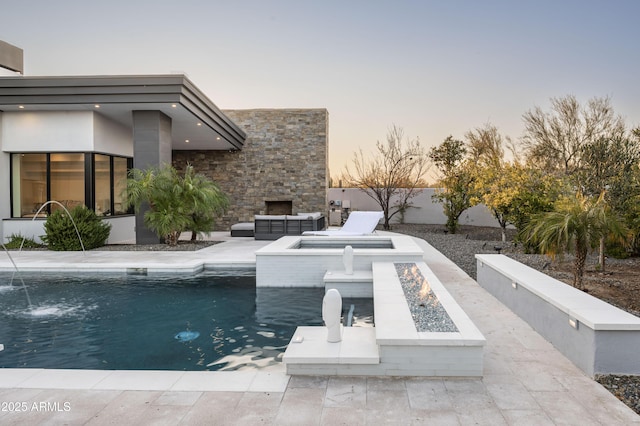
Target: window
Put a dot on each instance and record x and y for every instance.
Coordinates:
(73, 179)
(102, 167)
(29, 176)
(121, 167)
(67, 179)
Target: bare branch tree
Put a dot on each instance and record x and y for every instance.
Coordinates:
(393, 176)
(554, 140)
(485, 146)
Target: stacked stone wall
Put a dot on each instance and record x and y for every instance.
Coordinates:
(284, 158)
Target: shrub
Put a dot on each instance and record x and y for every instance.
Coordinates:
(61, 235)
(16, 240)
(617, 251)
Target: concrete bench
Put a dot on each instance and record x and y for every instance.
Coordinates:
(596, 336)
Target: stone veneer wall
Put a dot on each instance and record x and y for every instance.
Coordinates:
(283, 159)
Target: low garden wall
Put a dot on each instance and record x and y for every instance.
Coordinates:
(596, 336)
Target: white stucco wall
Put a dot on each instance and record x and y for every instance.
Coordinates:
(70, 131)
(122, 229)
(111, 138)
(424, 211)
(48, 131)
(25, 227)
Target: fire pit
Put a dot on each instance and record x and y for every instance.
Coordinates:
(425, 307)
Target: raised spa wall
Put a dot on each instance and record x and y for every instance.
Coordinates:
(393, 346)
(299, 261)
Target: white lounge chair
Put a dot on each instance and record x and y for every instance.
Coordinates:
(358, 223)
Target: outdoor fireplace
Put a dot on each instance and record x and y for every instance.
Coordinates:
(279, 207)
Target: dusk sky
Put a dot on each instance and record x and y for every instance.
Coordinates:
(434, 68)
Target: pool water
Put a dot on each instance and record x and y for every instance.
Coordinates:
(206, 322)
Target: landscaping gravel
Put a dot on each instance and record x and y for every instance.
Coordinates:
(461, 248)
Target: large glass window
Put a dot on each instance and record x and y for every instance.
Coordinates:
(67, 180)
(121, 167)
(73, 179)
(29, 184)
(103, 185)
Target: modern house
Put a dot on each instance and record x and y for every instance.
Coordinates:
(73, 139)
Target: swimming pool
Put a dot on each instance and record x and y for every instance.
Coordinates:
(123, 322)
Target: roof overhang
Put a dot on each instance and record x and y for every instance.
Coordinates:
(197, 123)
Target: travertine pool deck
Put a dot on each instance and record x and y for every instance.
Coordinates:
(526, 380)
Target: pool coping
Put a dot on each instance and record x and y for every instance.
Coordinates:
(272, 379)
(231, 254)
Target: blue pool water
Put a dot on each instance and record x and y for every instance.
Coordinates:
(206, 322)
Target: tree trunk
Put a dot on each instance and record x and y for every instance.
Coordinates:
(578, 267)
(504, 233)
(601, 258)
(172, 238)
(194, 236)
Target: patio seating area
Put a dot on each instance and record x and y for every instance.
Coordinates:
(272, 227)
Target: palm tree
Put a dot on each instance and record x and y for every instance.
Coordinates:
(576, 225)
(176, 203)
(205, 198)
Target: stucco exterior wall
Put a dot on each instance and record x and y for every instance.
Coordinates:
(284, 158)
(64, 131)
(111, 137)
(423, 210)
(51, 131)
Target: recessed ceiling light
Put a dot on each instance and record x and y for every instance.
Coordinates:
(199, 124)
(96, 106)
(21, 106)
(218, 138)
(173, 105)
(186, 140)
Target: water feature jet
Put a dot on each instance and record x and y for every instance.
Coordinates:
(15, 267)
(17, 271)
(70, 217)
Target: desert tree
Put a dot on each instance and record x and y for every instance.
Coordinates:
(456, 179)
(570, 140)
(555, 140)
(609, 166)
(517, 191)
(485, 148)
(393, 175)
(577, 224)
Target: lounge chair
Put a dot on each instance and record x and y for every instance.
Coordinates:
(358, 223)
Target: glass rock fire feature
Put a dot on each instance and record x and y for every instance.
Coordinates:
(427, 311)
